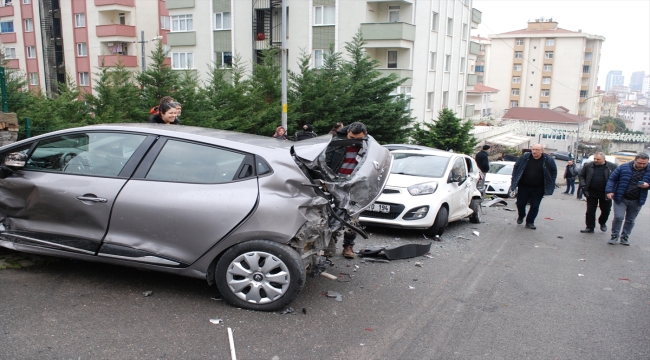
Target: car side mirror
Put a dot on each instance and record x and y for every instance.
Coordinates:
(455, 178)
(15, 161)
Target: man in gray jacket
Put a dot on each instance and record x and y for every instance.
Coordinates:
(593, 178)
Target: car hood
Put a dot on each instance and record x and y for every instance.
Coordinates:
(404, 181)
(497, 177)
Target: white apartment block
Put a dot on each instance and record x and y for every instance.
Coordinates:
(424, 41)
(48, 39)
(636, 117)
(544, 66)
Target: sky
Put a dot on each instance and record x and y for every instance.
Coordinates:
(625, 24)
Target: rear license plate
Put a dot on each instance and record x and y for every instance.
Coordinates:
(379, 208)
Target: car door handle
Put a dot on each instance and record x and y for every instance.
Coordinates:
(91, 198)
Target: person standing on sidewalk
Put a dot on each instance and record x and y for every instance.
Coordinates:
(570, 174)
(482, 159)
(594, 176)
(628, 187)
(534, 174)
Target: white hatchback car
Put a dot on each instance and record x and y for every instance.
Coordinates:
(499, 177)
(427, 189)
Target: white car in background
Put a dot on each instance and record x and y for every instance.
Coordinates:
(427, 189)
(498, 178)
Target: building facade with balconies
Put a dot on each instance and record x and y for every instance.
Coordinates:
(425, 42)
(50, 39)
(638, 117)
(545, 66)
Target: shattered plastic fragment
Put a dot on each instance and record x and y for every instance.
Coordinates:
(581, 259)
(356, 266)
(288, 310)
(581, 274)
(335, 295)
(475, 233)
(392, 273)
(147, 293)
(328, 275)
(216, 321)
(411, 287)
(418, 264)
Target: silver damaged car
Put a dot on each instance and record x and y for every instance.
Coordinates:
(251, 214)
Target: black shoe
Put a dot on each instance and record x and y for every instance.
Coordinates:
(624, 241)
(587, 230)
(603, 227)
(530, 226)
(520, 221)
(613, 240)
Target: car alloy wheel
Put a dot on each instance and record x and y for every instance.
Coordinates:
(260, 275)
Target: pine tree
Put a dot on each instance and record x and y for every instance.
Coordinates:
(116, 98)
(158, 79)
(447, 133)
(191, 98)
(265, 97)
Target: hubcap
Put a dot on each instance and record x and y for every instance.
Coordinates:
(258, 277)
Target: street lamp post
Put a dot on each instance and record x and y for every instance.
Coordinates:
(579, 122)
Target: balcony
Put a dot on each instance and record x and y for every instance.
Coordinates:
(8, 38)
(12, 64)
(113, 60)
(392, 34)
(115, 30)
(476, 18)
(471, 79)
(7, 10)
(186, 38)
(474, 48)
(179, 4)
(469, 110)
(401, 74)
(586, 75)
(130, 3)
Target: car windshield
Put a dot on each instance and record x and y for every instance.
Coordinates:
(419, 165)
(501, 169)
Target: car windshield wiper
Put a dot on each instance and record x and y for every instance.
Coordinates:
(403, 173)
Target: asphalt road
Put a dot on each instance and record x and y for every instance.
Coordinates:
(508, 293)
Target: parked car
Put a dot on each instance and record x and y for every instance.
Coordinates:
(562, 155)
(392, 147)
(427, 189)
(498, 179)
(245, 212)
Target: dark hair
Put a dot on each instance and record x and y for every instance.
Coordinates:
(357, 128)
(337, 126)
(642, 156)
(486, 147)
(164, 107)
(166, 99)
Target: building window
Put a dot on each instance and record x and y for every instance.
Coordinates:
(548, 55)
(480, 68)
(222, 21)
(182, 60)
(517, 67)
(83, 79)
(450, 26)
(546, 80)
(430, 99)
(29, 25)
(27, 2)
(9, 53)
(182, 23)
(80, 20)
(460, 98)
(164, 23)
(33, 78)
(432, 61)
(519, 42)
(546, 93)
(406, 90)
(445, 99)
(586, 69)
(324, 15)
(588, 56)
(31, 52)
(319, 57)
(434, 21)
(462, 65)
(514, 104)
(583, 93)
(392, 59)
(464, 31)
(121, 18)
(6, 26)
(447, 63)
(515, 92)
(224, 59)
(393, 13)
(82, 49)
(550, 42)
(548, 67)
(519, 55)
(516, 80)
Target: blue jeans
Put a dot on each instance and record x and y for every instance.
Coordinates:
(532, 194)
(570, 184)
(625, 210)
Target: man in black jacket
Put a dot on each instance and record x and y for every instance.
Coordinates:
(482, 159)
(593, 179)
(570, 175)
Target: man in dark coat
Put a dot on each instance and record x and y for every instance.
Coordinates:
(307, 133)
(534, 174)
(570, 174)
(593, 178)
(482, 159)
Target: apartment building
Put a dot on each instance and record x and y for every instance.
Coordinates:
(424, 41)
(544, 66)
(637, 116)
(51, 38)
(478, 95)
(614, 78)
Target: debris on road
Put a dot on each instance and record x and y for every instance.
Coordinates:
(304, 311)
(216, 321)
(548, 218)
(147, 293)
(581, 274)
(418, 264)
(508, 209)
(216, 299)
(495, 200)
(233, 354)
(560, 237)
(375, 260)
(328, 276)
(475, 233)
(397, 252)
(624, 279)
(581, 260)
(461, 237)
(368, 329)
(335, 295)
(411, 287)
(288, 310)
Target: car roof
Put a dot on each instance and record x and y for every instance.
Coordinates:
(435, 152)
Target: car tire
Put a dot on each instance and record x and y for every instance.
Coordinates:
(244, 281)
(475, 205)
(440, 223)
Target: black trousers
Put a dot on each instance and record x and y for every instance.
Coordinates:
(594, 200)
(532, 194)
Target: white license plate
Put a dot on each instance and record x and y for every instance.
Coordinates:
(379, 208)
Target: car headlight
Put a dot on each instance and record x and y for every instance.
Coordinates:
(423, 189)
